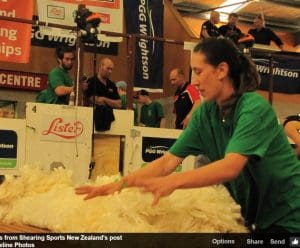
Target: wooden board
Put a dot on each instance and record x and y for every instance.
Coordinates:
(106, 155)
(15, 228)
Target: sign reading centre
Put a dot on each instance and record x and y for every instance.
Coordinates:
(15, 36)
(23, 80)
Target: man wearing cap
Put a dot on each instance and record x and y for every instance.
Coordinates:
(100, 86)
(152, 112)
(186, 98)
(122, 88)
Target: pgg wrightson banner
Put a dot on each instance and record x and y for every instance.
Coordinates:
(286, 74)
(145, 17)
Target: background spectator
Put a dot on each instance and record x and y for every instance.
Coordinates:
(152, 113)
(186, 98)
(264, 35)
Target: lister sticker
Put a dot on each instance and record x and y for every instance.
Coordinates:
(64, 129)
(153, 148)
(8, 149)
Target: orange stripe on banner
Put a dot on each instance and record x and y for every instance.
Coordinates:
(17, 8)
(15, 37)
(113, 4)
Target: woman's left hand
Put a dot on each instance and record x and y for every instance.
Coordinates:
(158, 186)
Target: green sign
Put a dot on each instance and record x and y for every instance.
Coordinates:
(8, 163)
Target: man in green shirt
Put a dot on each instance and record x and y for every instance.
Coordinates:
(152, 112)
(122, 91)
(60, 84)
(239, 132)
(122, 88)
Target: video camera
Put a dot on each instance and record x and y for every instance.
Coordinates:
(88, 23)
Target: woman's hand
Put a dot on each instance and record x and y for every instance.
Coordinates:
(93, 191)
(158, 186)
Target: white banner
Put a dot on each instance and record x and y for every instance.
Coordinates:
(63, 12)
(62, 135)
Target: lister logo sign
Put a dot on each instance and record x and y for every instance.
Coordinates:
(63, 129)
(56, 12)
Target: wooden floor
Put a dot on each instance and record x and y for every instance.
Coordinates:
(6, 228)
(284, 104)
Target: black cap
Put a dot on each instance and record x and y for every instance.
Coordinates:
(141, 93)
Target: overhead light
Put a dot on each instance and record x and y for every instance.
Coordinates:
(223, 16)
(231, 6)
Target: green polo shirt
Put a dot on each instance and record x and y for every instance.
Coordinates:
(268, 188)
(57, 77)
(151, 114)
(134, 107)
(123, 101)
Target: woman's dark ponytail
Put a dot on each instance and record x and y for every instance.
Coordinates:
(242, 70)
(249, 78)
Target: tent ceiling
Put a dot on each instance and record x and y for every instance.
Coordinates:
(284, 14)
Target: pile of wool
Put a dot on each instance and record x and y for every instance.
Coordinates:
(48, 200)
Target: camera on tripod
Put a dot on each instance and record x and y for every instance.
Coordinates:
(88, 23)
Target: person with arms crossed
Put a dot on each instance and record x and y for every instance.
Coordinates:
(186, 98)
(60, 84)
(239, 131)
(100, 86)
(209, 28)
(230, 30)
(263, 35)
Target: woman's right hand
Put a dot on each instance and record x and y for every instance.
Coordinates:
(93, 191)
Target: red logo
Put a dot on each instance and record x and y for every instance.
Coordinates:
(56, 12)
(64, 130)
(105, 18)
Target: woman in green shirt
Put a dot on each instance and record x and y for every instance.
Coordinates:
(238, 130)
